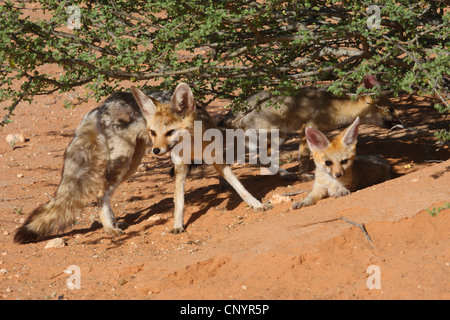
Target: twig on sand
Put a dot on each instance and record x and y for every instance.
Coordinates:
(293, 193)
(17, 198)
(361, 226)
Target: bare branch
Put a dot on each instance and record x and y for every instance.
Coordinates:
(14, 105)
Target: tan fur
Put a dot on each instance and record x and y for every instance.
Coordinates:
(339, 171)
(166, 122)
(107, 148)
(309, 107)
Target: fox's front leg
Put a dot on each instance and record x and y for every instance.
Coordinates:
(317, 193)
(230, 177)
(181, 171)
(343, 191)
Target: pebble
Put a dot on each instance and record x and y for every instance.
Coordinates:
(14, 138)
(142, 167)
(55, 243)
(121, 282)
(277, 199)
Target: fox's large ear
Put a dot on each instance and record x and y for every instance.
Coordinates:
(146, 104)
(316, 139)
(182, 101)
(351, 134)
(370, 81)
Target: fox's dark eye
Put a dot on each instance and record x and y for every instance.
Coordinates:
(329, 163)
(153, 133)
(344, 161)
(169, 133)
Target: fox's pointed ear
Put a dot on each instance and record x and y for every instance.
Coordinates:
(182, 101)
(146, 104)
(316, 139)
(370, 81)
(351, 134)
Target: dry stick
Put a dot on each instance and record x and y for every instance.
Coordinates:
(18, 198)
(415, 130)
(361, 226)
(14, 105)
(56, 275)
(314, 223)
(293, 193)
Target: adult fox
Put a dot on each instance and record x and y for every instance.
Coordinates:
(106, 150)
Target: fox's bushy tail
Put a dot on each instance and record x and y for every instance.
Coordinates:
(82, 177)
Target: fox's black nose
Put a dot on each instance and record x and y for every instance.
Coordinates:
(156, 150)
(338, 175)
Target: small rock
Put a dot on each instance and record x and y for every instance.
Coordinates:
(3, 270)
(121, 282)
(142, 167)
(14, 138)
(106, 241)
(55, 243)
(20, 175)
(277, 199)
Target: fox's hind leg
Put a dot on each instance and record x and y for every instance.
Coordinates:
(120, 169)
(106, 214)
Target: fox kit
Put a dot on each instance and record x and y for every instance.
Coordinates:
(339, 170)
(166, 123)
(310, 107)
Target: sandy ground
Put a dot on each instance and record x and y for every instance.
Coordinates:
(229, 251)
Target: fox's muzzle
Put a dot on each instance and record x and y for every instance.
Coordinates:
(158, 151)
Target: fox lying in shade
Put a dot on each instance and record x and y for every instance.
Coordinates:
(339, 170)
